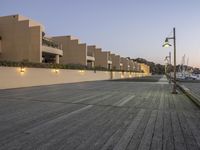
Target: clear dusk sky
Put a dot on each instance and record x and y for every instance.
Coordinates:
(131, 28)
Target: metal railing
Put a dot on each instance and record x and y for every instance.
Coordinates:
(49, 42)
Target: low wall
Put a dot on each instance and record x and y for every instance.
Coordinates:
(12, 77)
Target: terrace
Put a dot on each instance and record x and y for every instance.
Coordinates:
(51, 50)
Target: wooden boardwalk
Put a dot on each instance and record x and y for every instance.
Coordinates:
(102, 115)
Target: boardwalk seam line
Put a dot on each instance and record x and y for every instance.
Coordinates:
(125, 139)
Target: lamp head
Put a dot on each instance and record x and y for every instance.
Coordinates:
(166, 44)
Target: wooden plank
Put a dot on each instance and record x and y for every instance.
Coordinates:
(148, 133)
(168, 140)
(193, 127)
(113, 140)
(157, 140)
(138, 134)
(179, 141)
(124, 100)
(97, 139)
(122, 144)
(189, 138)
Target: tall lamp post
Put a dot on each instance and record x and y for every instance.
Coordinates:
(166, 44)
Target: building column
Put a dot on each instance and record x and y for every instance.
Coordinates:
(57, 59)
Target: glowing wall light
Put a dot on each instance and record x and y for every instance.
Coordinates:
(81, 71)
(56, 70)
(22, 69)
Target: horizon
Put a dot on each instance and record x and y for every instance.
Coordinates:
(135, 29)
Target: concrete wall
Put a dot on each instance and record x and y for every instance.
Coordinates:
(73, 52)
(11, 77)
(21, 39)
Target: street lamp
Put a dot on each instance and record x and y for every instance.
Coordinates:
(166, 44)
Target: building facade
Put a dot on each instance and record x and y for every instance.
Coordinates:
(22, 39)
(145, 68)
(125, 62)
(116, 62)
(91, 56)
(103, 59)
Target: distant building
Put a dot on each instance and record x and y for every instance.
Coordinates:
(116, 62)
(131, 64)
(91, 56)
(103, 59)
(125, 62)
(75, 52)
(24, 39)
(136, 67)
(145, 68)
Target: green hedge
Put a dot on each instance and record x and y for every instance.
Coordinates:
(50, 65)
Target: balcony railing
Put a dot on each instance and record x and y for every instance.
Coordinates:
(49, 42)
(89, 53)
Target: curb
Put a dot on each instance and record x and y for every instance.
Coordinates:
(190, 94)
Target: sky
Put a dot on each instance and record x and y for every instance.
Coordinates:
(130, 28)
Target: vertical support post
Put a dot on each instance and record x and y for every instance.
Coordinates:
(170, 67)
(174, 86)
(111, 74)
(57, 59)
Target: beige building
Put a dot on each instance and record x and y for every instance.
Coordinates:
(145, 68)
(116, 62)
(131, 64)
(103, 59)
(22, 39)
(91, 56)
(125, 62)
(75, 52)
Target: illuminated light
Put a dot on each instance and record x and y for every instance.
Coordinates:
(22, 69)
(166, 44)
(81, 71)
(56, 70)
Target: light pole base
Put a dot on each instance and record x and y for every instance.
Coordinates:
(174, 92)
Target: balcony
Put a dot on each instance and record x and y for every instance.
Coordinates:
(50, 46)
(109, 58)
(50, 43)
(109, 62)
(90, 55)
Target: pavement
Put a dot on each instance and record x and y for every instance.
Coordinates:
(99, 115)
